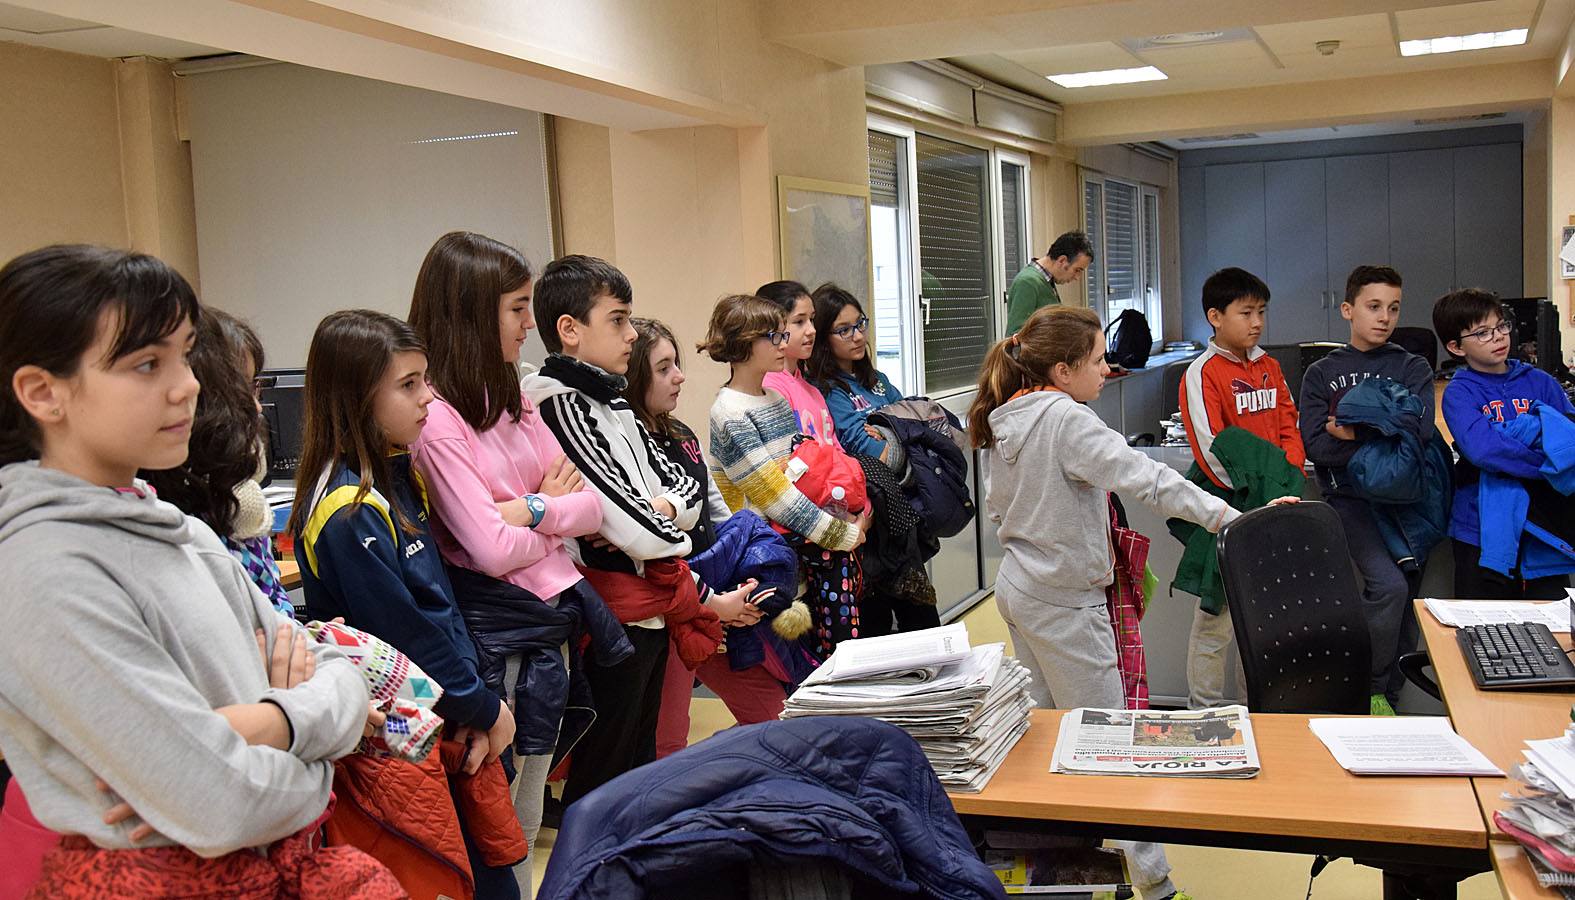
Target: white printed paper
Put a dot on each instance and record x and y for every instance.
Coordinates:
(1400, 745)
(1554, 614)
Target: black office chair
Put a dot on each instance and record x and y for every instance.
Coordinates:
(1420, 341)
(1297, 610)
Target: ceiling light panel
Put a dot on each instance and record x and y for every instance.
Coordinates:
(1483, 40)
(1107, 76)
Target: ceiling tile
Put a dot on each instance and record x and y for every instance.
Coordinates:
(1296, 38)
(1074, 58)
(1464, 18)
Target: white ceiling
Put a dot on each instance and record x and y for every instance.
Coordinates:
(1285, 52)
(26, 26)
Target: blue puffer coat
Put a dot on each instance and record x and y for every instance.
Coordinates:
(1408, 482)
(745, 547)
(852, 791)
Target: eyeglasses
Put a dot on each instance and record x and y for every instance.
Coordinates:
(846, 331)
(777, 338)
(1483, 335)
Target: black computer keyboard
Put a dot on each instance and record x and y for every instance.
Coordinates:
(1515, 656)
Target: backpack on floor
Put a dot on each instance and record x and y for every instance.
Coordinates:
(1133, 340)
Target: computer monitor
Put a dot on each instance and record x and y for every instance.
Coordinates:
(283, 406)
(1536, 338)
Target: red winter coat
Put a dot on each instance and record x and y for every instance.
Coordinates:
(402, 815)
(667, 590)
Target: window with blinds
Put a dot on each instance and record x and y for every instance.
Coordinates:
(1014, 233)
(1094, 226)
(1121, 243)
(890, 255)
(1122, 220)
(955, 263)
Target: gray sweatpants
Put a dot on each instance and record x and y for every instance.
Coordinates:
(1066, 640)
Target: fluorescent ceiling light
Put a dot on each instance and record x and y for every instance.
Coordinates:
(1107, 76)
(1480, 41)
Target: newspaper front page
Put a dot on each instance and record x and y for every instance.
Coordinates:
(1213, 742)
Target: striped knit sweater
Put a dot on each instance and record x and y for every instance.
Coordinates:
(751, 441)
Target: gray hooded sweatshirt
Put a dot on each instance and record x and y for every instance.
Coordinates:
(1049, 471)
(123, 625)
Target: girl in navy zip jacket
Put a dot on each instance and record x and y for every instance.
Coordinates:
(362, 540)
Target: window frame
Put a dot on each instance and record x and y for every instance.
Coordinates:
(999, 156)
(1148, 296)
(912, 350)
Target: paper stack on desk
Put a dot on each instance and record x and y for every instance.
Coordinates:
(1542, 816)
(966, 706)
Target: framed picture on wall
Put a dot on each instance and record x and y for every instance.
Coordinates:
(1567, 252)
(824, 231)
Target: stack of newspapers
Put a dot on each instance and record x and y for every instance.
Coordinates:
(1541, 814)
(965, 705)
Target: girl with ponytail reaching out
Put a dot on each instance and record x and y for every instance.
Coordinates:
(1051, 464)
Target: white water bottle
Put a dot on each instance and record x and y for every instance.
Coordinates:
(838, 505)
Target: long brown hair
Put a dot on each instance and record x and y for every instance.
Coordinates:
(648, 333)
(226, 433)
(351, 351)
(1053, 334)
(454, 310)
(822, 369)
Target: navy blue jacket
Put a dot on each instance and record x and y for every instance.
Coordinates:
(1474, 403)
(1505, 502)
(553, 707)
(1407, 481)
(937, 483)
(849, 790)
(358, 563)
(1324, 388)
(745, 546)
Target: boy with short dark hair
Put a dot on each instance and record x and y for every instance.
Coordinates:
(1485, 395)
(1372, 306)
(1234, 384)
(582, 305)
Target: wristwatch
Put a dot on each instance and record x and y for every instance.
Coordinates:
(537, 507)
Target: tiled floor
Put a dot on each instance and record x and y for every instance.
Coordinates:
(1208, 873)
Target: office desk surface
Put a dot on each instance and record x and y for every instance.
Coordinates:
(1496, 722)
(1301, 792)
(289, 574)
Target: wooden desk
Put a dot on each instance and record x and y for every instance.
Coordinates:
(1302, 802)
(289, 574)
(1496, 722)
(1514, 873)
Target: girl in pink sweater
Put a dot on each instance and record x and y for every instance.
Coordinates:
(503, 494)
(808, 403)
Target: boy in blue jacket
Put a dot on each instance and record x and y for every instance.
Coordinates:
(1372, 306)
(1487, 392)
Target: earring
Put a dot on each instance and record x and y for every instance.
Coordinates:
(54, 413)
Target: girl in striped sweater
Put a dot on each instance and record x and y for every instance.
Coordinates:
(752, 432)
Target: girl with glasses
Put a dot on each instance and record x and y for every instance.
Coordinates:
(841, 367)
(808, 403)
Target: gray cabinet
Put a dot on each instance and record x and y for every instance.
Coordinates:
(1445, 217)
(1356, 222)
(1422, 229)
(1487, 228)
(1233, 197)
(1296, 265)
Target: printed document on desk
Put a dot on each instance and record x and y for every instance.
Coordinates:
(1214, 743)
(913, 657)
(1555, 614)
(1400, 745)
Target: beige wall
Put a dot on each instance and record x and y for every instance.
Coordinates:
(93, 156)
(1561, 206)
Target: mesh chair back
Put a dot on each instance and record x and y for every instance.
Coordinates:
(1296, 610)
(1418, 340)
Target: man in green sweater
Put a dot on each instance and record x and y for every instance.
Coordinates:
(1035, 286)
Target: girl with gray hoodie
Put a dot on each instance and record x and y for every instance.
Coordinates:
(130, 661)
(1050, 464)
